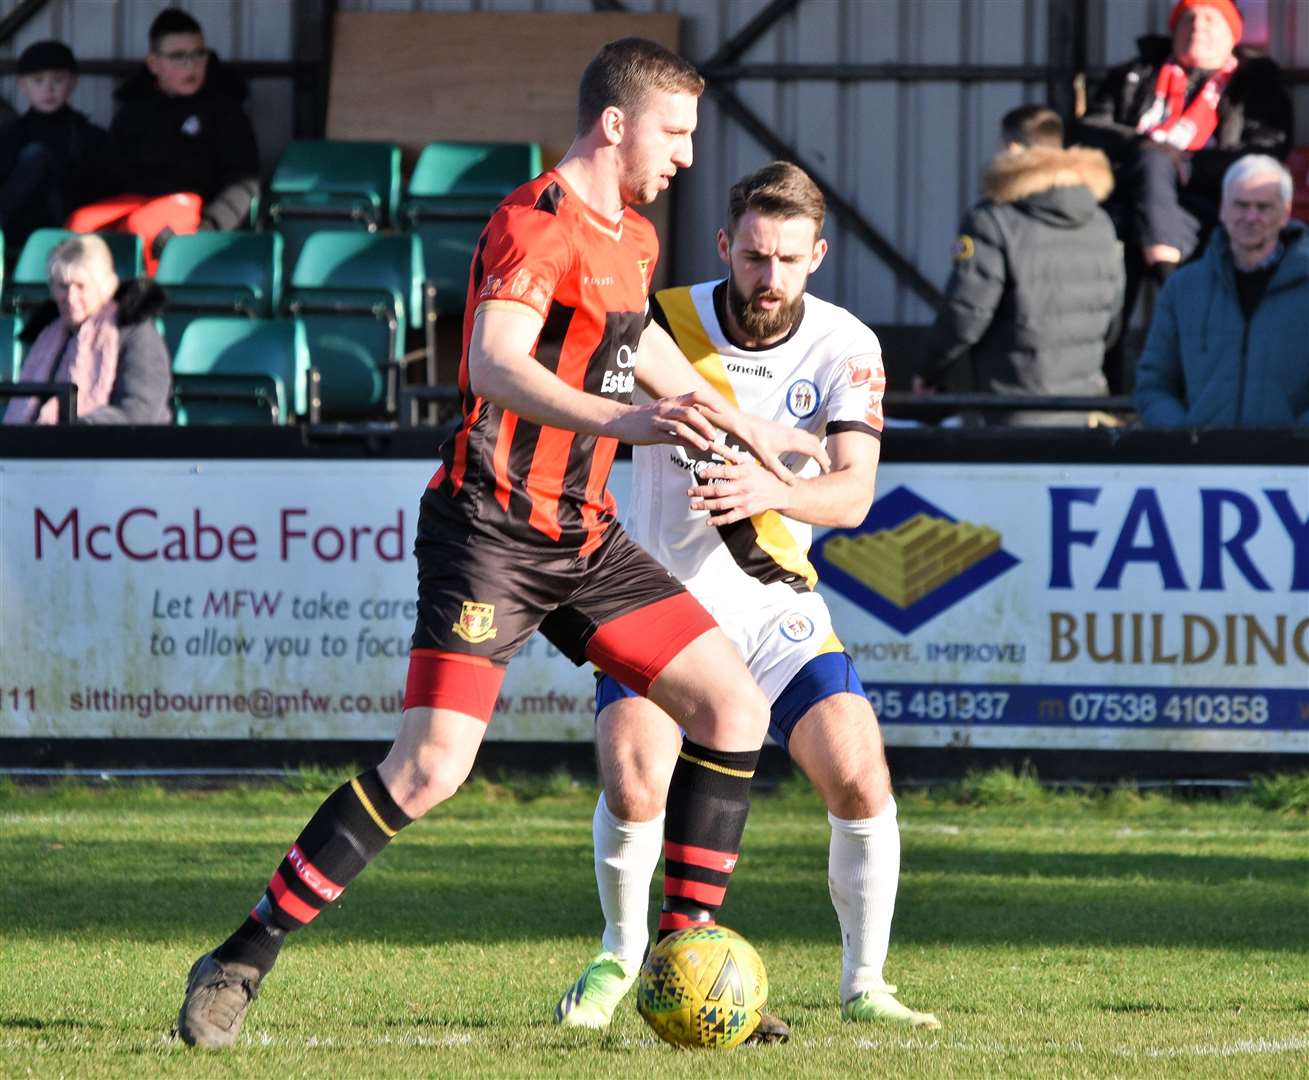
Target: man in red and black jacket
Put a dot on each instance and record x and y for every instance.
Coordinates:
(1173, 119)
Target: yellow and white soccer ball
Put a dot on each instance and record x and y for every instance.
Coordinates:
(702, 988)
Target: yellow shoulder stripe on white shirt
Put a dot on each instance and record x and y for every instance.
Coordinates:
(771, 533)
(689, 333)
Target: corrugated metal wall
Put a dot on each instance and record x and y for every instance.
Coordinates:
(118, 30)
(907, 154)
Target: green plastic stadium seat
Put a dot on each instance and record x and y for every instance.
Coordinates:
(486, 170)
(356, 293)
(223, 273)
(365, 175)
(28, 288)
(231, 370)
(454, 189)
(219, 273)
(326, 184)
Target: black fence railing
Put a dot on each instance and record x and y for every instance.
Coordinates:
(64, 393)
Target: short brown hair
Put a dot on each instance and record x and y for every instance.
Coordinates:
(624, 72)
(780, 190)
(1033, 125)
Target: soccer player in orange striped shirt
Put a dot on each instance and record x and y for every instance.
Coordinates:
(517, 530)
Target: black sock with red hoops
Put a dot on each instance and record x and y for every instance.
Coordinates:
(708, 800)
(351, 827)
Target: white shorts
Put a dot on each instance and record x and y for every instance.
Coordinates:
(778, 636)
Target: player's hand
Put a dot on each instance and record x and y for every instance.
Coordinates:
(735, 492)
(768, 440)
(680, 420)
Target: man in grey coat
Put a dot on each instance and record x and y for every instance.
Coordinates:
(1038, 277)
(1229, 341)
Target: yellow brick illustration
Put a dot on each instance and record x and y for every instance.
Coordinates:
(920, 554)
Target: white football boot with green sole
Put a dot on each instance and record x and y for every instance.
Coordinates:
(880, 1006)
(591, 1001)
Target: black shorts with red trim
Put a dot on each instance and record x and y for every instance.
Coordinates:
(481, 596)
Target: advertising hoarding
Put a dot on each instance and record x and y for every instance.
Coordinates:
(997, 605)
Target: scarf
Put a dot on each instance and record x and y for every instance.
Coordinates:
(88, 359)
(1170, 120)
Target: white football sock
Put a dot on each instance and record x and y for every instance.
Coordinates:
(863, 871)
(626, 855)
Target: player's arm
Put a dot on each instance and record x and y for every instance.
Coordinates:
(663, 370)
(839, 498)
(501, 368)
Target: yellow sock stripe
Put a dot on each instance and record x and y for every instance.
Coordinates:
(372, 810)
(742, 773)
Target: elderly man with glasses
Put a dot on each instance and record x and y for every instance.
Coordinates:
(1229, 343)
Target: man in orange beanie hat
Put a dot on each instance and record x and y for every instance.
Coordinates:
(1172, 120)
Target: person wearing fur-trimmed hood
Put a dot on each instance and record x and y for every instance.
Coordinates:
(1037, 283)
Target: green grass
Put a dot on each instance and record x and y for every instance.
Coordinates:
(1055, 934)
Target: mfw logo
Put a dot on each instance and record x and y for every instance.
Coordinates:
(909, 561)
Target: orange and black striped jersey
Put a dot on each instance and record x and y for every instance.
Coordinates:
(588, 278)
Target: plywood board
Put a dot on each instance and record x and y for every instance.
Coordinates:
(412, 77)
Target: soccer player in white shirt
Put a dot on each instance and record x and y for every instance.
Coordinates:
(739, 539)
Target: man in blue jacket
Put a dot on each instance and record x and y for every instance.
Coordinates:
(1229, 343)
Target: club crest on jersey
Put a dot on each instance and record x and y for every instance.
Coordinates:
(476, 622)
(801, 398)
(644, 266)
(797, 627)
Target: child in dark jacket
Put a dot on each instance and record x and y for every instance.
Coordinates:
(181, 146)
(52, 153)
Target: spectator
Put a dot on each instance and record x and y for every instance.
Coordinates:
(1229, 342)
(100, 336)
(1173, 119)
(1038, 277)
(181, 144)
(52, 152)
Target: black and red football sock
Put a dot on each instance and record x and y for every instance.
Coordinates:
(345, 834)
(708, 801)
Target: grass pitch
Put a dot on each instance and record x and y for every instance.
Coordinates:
(1055, 935)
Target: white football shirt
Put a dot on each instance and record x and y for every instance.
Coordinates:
(825, 377)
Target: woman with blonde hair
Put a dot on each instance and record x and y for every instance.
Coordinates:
(99, 335)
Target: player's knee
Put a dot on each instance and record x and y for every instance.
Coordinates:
(636, 799)
(734, 716)
(855, 800)
(856, 794)
(421, 785)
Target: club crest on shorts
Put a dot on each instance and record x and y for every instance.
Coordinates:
(801, 398)
(797, 627)
(476, 622)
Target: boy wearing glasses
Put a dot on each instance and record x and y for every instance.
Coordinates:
(182, 150)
